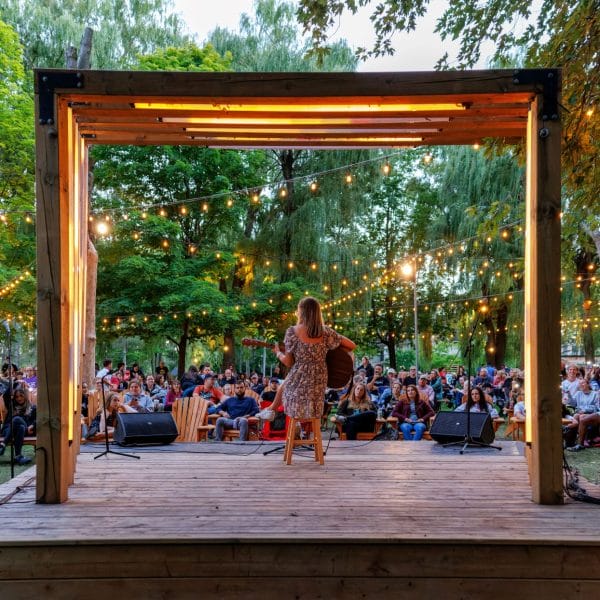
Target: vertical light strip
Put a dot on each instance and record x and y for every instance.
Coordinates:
(530, 268)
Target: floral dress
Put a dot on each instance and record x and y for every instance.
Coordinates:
(304, 391)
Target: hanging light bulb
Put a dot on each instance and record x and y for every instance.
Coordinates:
(314, 186)
(386, 169)
(102, 228)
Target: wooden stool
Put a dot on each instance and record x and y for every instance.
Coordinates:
(291, 442)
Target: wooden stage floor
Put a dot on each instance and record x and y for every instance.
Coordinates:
(392, 503)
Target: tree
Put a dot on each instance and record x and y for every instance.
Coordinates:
(563, 34)
(123, 30)
(17, 231)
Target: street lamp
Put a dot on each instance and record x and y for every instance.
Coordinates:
(409, 270)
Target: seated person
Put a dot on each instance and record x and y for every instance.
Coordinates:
(587, 408)
(519, 407)
(391, 397)
(173, 393)
(234, 413)
(22, 422)
(413, 414)
(357, 413)
(209, 391)
(477, 402)
(425, 390)
(379, 382)
(270, 392)
(114, 404)
(190, 380)
(138, 400)
(227, 377)
(157, 394)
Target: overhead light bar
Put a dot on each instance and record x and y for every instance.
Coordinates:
(235, 138)
(263, 106)
(291, 132)
(229, 120)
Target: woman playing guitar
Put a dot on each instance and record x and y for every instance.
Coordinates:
(305, 348)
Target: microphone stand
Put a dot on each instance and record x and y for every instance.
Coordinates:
(468, 440)
(108, 450)
(11, 439)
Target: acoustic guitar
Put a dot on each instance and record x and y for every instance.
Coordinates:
(340, 363)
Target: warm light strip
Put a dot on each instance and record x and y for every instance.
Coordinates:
(310, 108)
(229, 120)
(303, 131)
(235, 138)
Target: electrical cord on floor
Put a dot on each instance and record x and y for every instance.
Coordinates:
(18, 489)
(572, 487)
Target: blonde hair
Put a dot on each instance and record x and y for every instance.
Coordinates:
(309, 314)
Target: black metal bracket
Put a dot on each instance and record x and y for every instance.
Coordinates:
(47, 82)
(547, 79)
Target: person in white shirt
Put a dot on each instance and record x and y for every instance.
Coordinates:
(587, 412)
(570, 386)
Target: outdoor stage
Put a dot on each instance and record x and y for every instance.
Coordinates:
(222, 520)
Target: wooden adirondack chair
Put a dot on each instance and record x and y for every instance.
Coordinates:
(190, 416)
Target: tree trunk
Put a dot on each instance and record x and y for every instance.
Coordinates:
(71, 57)
(229, 354)
(426, 347)
(501, 336)
(85, 49)
(182, 348)
(391, 344)
(287, 159)
(583, 259)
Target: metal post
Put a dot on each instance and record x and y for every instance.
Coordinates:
(416, 321)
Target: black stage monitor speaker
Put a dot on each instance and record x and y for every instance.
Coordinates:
(452, 427)
(145, 428)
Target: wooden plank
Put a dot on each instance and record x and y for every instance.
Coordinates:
(297, 560)
(305, 85)
(102, 111)
(250, 588)
(53, 464)
(542, 306)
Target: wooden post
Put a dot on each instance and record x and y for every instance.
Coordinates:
(542, 306)
(53, 454)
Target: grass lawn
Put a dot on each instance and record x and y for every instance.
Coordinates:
(5, 463)
(587, 462)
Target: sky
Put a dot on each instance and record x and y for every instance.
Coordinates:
(417, 51)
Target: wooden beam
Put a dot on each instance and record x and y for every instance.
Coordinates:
(542, 307)
(53, 456)
(418, 85)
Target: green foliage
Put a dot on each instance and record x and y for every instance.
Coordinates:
(122, 30)
(186, 58)
(269, 40)
(17, 236)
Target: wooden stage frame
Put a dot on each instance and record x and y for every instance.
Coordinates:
(309, 110)
(389, 519)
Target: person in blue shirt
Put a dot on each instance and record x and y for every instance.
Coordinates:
(234, 413)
